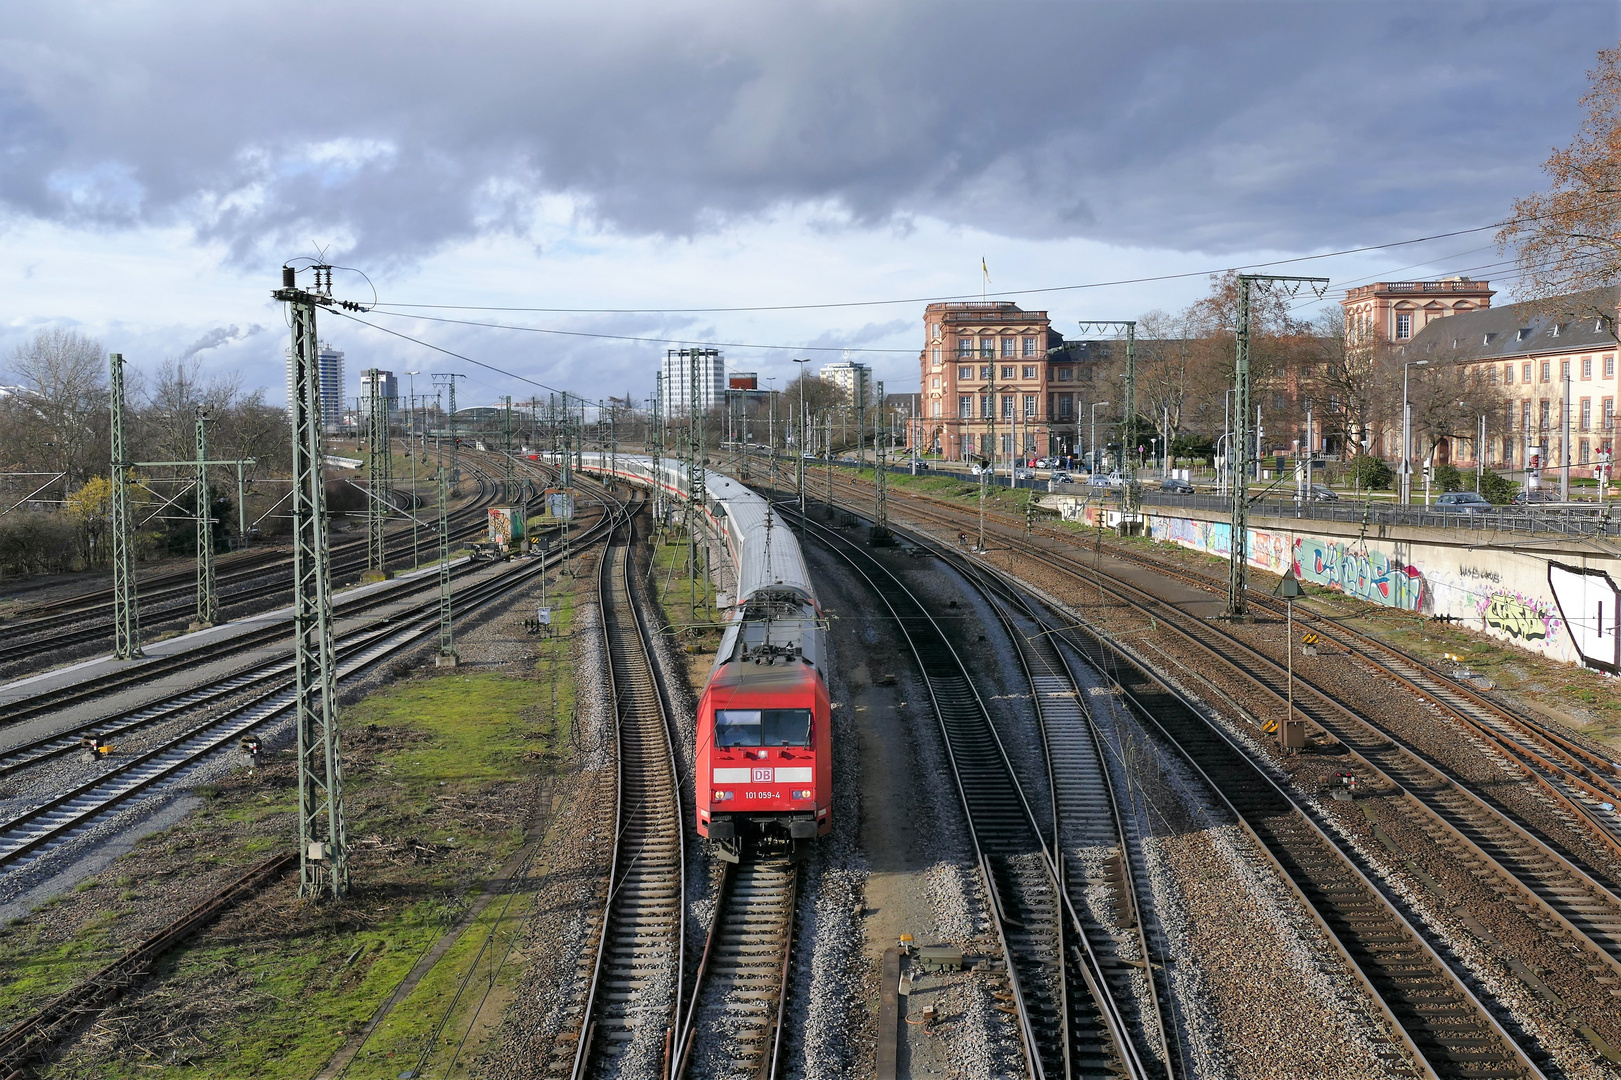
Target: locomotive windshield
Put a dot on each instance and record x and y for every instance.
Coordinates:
(762, 727)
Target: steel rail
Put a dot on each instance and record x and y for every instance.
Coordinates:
(1084, 800)
(642, 924)
(1003, 828)
(1444, 1028)
(1578, 777)
(146, 669)
(161, 614)
(60, 817)
(1565, 891)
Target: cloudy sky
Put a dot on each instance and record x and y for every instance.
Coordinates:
(633, 167)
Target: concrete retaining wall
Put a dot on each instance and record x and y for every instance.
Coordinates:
(1557, 597)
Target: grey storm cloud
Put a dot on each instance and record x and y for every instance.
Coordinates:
(220, 335)
(395, 129)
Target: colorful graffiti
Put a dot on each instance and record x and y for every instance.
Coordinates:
(1523, 618)
(1366, 574)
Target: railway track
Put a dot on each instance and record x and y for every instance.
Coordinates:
(1070, 1022)
(83, 620)
(734, 1025)
(46, 825)
(1445, 1029)
(633, 997)
(1574, 773)
(1087, 822)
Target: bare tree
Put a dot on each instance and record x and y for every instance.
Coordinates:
(1569, 236)
(1353, 380)
(1448, 399)
(57, 416)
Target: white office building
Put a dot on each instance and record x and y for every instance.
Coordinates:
(332, 386)
(853, 378)
(678, 375)
(387, 388)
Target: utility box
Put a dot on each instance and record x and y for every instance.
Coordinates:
(560, 505)
(506, 526)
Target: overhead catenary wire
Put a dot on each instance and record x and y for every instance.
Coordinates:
(956, 296)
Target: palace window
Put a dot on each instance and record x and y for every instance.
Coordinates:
(1029, 371)
(1587, 414)
(1564, 369)
(1007, 372)
(1066, 406)
(1542, 415)
(1404, 326)
(965, 406)
(965, 346)
(1029, 346)
(1007, 406)
(1608, 412)
(1029, 406)
(1609, 367)
(1587, 367)
(1508, 374)
(934, 354)
(935, 411)
(1009, 345)
(965, 373)
(1547, 366)
(985, 372)
(1525, 371)
(1065, 374)
(1586, 450)
(987, 346)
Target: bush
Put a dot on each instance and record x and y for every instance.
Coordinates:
(1448, 478)
(1369, 473)
(1498, 489)
(36, 544)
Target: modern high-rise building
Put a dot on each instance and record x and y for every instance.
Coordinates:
(388, 388)
(331, 366)
(853, 378)
(677, 379)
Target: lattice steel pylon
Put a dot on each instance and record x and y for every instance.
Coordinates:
(207, 596)
(509, 472)
(880, 467)
(448, 380)
(1238, 453)
(323, 841)
(126, 610)
(447, 645)
(379, 478)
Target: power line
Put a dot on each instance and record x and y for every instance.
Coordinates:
(938, 299)
(642, 340)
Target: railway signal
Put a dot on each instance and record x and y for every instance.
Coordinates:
(1292, 734)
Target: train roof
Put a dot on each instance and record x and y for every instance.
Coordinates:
(764, 550)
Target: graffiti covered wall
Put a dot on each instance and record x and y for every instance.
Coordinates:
(1567, 609)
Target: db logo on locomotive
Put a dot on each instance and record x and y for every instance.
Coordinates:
(762, 776)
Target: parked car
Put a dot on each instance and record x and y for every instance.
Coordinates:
(1535, 495)
(1176, 486)
(1021, 472)
(1107, 480)
(1323, 493)
(1061, 477)
(1463, 502)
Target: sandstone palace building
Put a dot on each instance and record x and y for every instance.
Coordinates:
(1531, 353)
(992, 384)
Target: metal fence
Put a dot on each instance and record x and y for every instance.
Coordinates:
(1577, 520)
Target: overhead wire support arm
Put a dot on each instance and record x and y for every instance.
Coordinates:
(1240, 454)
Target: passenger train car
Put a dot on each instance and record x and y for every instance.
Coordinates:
(764, 755)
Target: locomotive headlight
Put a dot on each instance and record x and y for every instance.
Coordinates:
(802, 794)
(720, 796)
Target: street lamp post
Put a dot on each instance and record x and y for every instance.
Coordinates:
(1095, 405)
(1407, 434)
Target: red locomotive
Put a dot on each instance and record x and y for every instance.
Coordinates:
(764, 759)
